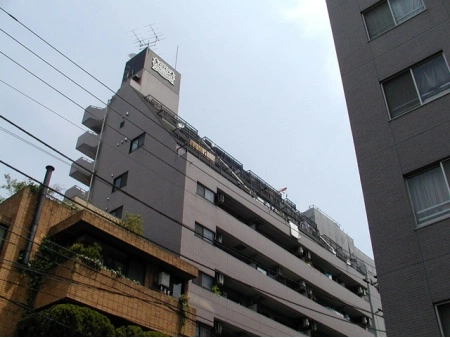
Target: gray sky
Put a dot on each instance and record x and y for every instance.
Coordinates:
(259, 78)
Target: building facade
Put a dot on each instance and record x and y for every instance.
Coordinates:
(126, 285)
(264, 268)
(394, 62)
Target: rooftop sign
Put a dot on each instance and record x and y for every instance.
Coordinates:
(162, 69)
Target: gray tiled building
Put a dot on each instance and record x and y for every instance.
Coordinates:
(265, 268)
(394, 61)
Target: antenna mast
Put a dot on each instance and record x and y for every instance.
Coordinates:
(146, 39)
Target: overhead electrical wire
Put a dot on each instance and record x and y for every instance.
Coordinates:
(191, 229)
(184, 256)
(137, 199)
(80, 86)
(237, 192)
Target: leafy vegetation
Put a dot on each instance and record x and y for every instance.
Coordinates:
(136, 331)
(133, 223)
(69, 320)
(184, 307)
(66, 320)
(13, 186)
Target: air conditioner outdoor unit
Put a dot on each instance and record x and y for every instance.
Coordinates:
(220, 278)
(304, 323)
(218, 327)
(299, 251)
(361, 291)
(365, 321)
(301, 286)
(220, 198)
(164, 279)
(218, 237)
(313, 326)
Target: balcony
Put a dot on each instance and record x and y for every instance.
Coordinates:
(81, 170)
(93, 118)
(76, 191)
(88, 144)
(115, 296)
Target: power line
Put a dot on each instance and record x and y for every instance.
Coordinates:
(199, 263)
(98, 98)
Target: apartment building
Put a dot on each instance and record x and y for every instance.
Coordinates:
(264, 267)
(394, 62)
(136, 283)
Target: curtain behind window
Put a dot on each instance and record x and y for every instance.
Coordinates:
(432, 77)
(379, 20)
(429, 194)
(405, 9)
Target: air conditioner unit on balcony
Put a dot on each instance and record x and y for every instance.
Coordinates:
(220, 198)
(361, 291)
(164, 279)
(299, 251)
(220, 278)
(365, 321)
(304, 323)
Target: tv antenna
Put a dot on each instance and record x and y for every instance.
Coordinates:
(148, 38)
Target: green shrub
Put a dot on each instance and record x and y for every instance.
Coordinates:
(66, 320)
(136, 331)
(133, 223)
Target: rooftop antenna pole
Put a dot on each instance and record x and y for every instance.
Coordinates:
(176, 58)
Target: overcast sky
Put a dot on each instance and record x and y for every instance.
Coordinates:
(259, 78)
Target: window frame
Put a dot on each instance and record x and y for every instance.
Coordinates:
(436, 308)
(139, 141)
(410, 71)
(199, 231)
(396, 24)
(3, 228)
(204, 191)
(112, 212)
(123, 181)
(446, 213)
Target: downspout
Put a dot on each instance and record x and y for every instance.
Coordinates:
(37, 213)
(97, 152)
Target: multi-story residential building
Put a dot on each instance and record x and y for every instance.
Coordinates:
(264, 267)
(135, 282)
(394, 62)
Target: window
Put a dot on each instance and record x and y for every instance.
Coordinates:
(202, 232)
(430, 193)
(137, 142)
(205, 193)
(417, 85)
(117, 212)
(3, 231)
(390, 13)
(202, 330)
(204, 280)
(120, 181)
(443, 314)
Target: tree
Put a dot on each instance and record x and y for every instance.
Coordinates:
(136, 331)
(66, 320)
(13, 186)
(133, 223)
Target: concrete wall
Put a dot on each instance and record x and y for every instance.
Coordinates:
(411, 271)
(155, 171)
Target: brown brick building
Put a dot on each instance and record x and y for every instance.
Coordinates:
(139, 282)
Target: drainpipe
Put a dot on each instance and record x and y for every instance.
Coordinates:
(94, 167)
(37, 213)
